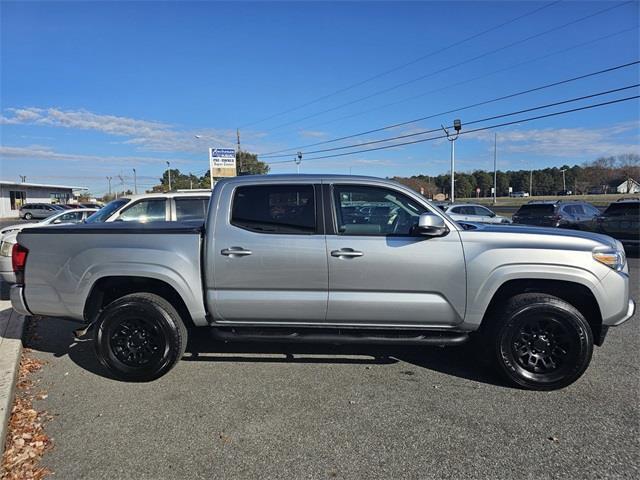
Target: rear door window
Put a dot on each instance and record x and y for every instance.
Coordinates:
(151, 210)
(191, 209)
(539, 210)
(284, 209)
(623, 209)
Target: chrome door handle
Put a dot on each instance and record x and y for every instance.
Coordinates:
(235, 251)
(346, 252)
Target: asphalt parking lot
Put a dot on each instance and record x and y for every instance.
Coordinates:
(244, 411)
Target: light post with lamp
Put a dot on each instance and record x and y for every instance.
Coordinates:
(169, 172)
(298, 161)
(457, 125)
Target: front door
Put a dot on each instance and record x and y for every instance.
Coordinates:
(269, 254)
(381, 272)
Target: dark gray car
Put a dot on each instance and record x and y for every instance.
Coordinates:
(575, 215)
(38, 210)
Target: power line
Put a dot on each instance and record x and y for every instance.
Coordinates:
(473, 122)
(463, 82)
(385, 147)
(458, 109)
(404, 65)
(477, 57)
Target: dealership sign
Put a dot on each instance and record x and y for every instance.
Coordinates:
(222, 162)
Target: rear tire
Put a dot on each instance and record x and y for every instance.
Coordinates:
(28, 216)
(139, 337)
(541, 342)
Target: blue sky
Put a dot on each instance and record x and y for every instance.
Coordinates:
(94, 89)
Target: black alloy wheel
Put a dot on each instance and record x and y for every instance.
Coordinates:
(139, 337)
(541, 342)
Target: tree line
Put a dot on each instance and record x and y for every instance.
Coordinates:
(599, 176)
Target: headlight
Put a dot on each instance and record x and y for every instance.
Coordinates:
(5, 249)
(615, 259)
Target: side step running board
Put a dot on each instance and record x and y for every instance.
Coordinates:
(339, 337)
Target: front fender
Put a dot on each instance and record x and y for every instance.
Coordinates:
(483, 288)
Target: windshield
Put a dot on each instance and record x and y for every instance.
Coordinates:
(105, 212)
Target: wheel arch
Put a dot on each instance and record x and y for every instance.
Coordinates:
(109, 288)
(574, 293)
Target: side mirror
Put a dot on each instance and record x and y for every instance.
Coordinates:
(431, 225)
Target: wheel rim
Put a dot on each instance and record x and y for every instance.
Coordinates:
(544, 348)
(136, 342)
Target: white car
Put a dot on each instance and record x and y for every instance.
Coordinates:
(474, 213)
(8, 235)
(155, 207)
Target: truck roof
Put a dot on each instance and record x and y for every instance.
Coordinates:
(298, 177)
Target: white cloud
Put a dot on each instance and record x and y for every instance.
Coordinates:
(567, 142)
(143, 134)
(38, 152)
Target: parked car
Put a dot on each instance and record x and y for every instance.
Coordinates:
(65, 206)
(9, 234)
(621, 220)
(90, 205)
(519, 194)
(564, 214)
(474, 213)
(155, 207)
(38, 210)
(276, 262)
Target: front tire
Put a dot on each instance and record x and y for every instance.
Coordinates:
(28, 216)
(541, 342)
(139, 337)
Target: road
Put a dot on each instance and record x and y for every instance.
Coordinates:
(326, 412)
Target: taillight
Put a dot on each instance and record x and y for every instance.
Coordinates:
(19, 257)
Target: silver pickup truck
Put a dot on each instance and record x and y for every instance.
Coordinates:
(336, 259)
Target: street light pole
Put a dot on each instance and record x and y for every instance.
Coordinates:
(564, 183)
(495, 167)
(457, 125)
(109, 179)
(298, 161)
(169, 171)
(531, 182)
(135, 182)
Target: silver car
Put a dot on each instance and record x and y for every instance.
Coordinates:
(38, 210)
(469, 212)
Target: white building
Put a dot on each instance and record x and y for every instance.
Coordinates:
(628, 186)
(15, 194)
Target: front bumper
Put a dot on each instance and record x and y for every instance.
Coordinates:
(631, 309)
(17, 300)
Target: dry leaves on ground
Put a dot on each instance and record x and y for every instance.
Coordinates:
(26, 441)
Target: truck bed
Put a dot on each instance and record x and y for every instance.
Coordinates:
(65, 262)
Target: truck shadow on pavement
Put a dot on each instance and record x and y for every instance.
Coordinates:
(55, 336)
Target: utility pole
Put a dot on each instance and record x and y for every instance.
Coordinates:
(457, 126)
(495, 167)
(169, 171)
(531, 182)
(135, 182)
(109, 179)
(239, 150)
(564, 183)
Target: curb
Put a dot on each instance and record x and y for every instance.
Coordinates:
(11, 329)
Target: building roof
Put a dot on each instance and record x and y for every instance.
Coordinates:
(633, 182)
(41, 185)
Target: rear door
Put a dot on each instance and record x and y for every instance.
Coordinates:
(381, 273)
(269, 255)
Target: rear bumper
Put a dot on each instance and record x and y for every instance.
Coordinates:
(17, 300)
(8, 277)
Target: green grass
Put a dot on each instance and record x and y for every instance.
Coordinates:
(597, 200)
